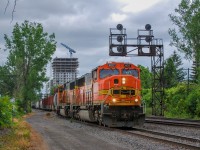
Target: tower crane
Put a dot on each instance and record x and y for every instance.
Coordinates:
(71, 51)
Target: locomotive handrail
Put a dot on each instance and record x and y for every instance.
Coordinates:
(104, 101)
(144, 106)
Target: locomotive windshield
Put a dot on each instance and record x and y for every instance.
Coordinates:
(108, 72)
(132, 72)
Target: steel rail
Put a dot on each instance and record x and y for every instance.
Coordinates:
(152, 135)
(168, 135)
(175, 122)
(173, 119)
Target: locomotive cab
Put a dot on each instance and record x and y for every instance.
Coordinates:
(119, 90)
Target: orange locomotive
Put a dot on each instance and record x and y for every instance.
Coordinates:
(109, 95)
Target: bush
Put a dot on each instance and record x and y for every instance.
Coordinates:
(146, 96)
(6, 108)
(193, 103)
(181, 103)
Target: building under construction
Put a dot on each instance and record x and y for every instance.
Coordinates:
(64, 70)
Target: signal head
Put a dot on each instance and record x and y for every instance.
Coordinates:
(148, 39)
(120, 49)
(148, 27)
(119, 38)
(119, 27)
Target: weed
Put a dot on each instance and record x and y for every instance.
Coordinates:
(17, 138)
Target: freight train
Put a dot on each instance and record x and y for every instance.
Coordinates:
(110, 95)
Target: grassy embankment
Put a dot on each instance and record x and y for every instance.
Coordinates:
(18, 137)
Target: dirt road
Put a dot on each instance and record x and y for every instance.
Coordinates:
(62, 134)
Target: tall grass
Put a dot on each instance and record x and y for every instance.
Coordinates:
(18, 138)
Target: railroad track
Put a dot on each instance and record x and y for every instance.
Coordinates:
(175, 140)
(182, 141)
(175, 122)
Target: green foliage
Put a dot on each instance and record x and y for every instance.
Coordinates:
(30, 50)
(193, 103)
(146, 82)
(181, 101)
(20, 107)
(5, 112)
(173, 72)
(6, 81)
(146, 77)
(186, 39)
(52, 90)
(146, 96)
(170, 73)
(181, 104)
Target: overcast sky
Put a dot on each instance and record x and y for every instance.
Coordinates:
(84, 25)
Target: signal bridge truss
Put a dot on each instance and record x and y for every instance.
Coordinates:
(144, 45)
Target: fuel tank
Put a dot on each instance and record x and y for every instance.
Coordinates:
(86, 115)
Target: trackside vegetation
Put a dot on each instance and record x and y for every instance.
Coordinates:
(181, 97)
(17, 137)
(15, 133)
(6, 109)
(180, 101)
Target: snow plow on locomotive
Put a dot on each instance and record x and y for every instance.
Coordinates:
(109, 95)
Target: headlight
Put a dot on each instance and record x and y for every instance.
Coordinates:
(136, 100)
(114, 100)
(123, 80)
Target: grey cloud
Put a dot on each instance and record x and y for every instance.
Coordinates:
(84, 25)
(37, 9)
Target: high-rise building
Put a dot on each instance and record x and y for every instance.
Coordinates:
(64, 70)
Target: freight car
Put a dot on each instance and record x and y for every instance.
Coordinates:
(109, 95)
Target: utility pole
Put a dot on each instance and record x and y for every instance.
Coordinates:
(188, 79)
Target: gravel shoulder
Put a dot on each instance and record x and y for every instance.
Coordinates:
(62, 134)
(37, 142)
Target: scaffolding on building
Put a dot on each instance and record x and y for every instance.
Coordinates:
(64, 70)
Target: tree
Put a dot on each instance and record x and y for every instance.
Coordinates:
(173, 71)
(145, 77)
(186, 39)
(6, 81)
(30, 50)
(195, 72)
